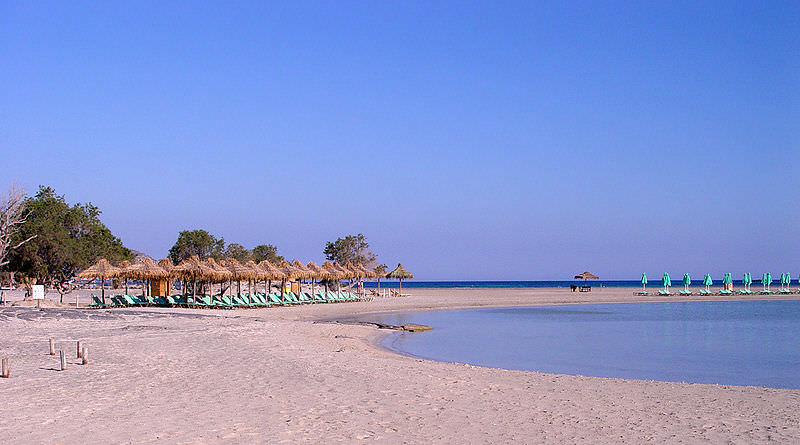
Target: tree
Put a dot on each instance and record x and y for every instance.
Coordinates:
(196, 242)
(353, 248)
(238, 252)
(266, 252)
(67, 240)
(12, 217)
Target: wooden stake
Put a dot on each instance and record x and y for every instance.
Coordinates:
(85, 360)
(52, 347)
(78, 349)
(6, 372)
(63, 360)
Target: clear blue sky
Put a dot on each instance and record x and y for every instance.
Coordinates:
(483, 140)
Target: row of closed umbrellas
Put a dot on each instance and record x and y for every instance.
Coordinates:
(747, 280)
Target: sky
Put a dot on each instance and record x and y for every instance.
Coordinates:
(467, 140)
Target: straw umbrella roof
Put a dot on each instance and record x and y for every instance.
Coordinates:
(318, 272)
(194, 269)
(400, 273)
(146, 269)
(290, 272)
(256, 273)
(334, 273)
(100, 269)
(270, 271)
(354, 271)
(238, 270)
(302, 271)
(221, 273)
(586, 276)
(366, 272)
(166, 264)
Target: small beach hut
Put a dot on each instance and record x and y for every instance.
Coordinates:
(101, 269)
(399, 273)
(146, 270)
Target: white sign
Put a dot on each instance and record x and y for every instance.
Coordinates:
(38, 292)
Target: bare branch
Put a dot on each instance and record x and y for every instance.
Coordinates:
(12, 216)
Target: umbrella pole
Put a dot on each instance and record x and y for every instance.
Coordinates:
(103, 289)
(249, 291)
(283, 287)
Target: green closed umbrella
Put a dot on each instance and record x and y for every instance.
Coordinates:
(783, 280)
(666, 281)
(644, 280)
(707, 281)
(687, 281)
(766, 280)
(726, 280)
(788, 280)
(746, 281)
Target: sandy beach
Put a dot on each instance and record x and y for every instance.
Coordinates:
(284, 375)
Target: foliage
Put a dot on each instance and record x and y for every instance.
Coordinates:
(67, 240)
(238, 252)
(196, 242)
(266, 252)
(12, 217)
(353, 248)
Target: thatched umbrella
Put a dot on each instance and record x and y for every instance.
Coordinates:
(147, 270)
(270, 272)
(303, 273)
(289, 272)
(379, 272)
(586, 276)
(167, 265)
(400, 274)
(123, 272)
(317, 273)
(255, 273)
(239, 272)
(192, 268)
(220, 274)
(101, 269)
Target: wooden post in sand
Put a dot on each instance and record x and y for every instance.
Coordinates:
(78, 349)
(84, 359)
(5, 372)
(63, 360)
(52, 347)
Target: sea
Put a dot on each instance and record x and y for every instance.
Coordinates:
(721, 342)
(654, 284)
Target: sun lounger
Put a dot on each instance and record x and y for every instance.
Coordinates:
(320, 298)
(685, 292)
(97, 302)
(765, 292)
(706, 292)
(725, 292)
(664, 292)
(745, 291)
(639, 293)
(275, 298)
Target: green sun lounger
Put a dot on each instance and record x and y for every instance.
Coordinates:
(97, 302)
(705, 292)
(685, 292)
(725, 292)
(664, 292)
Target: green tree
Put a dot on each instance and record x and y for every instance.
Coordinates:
(266, 252)
(196, 242)
(381, 270)
(66, 239)
(238, 252)
(353, 248)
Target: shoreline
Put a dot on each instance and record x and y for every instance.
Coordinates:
(280, 373)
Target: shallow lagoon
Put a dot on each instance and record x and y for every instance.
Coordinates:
(733, 343)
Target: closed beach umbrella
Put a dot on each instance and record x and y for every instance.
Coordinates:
(783, 280)
(788, 280)
(666, 281)
(744, 280)
(644, 280)
(101, 269)
(687, 281)
(727, 280)
(707, 281)
(401, 274)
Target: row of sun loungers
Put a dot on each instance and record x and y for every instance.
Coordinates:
(225, 301)
(723, 292)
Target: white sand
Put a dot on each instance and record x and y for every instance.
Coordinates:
(274, 375)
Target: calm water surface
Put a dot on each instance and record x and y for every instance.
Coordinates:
(735, 343)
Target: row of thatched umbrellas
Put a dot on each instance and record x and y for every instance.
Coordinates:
(193, 269)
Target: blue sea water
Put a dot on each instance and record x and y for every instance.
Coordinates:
(733, 343)
(654, 284)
